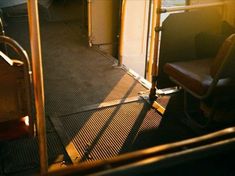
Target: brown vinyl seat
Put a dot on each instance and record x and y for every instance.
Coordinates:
(13, 129)
(16, 119)
(207, 77)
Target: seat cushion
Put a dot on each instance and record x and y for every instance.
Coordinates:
(195, 76)
(13, 129)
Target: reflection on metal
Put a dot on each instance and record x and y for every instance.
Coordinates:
(158, 107)
(151, 54)
(89, 6)
(191, 7)
(167, 91)
(6, 58)
(152, 95)
(38, 82)
(11, 62)
(121, 39)
(26, 120)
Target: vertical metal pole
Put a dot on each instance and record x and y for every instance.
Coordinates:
(89, 15)
(38, 82)
(147, 42)
(152, 40)
(188, 2)
(152, 94)
(121, 39)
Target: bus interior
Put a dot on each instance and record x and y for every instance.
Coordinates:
(117, 87)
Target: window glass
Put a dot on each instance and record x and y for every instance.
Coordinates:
(169, 3)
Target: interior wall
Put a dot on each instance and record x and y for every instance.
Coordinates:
(229, 14)
(135, 35)
(228, 10)
(105, 24)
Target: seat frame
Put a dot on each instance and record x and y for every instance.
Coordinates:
(219, 74)
(29, 106)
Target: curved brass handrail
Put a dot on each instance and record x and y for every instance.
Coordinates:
(19, 50)
(23, 60)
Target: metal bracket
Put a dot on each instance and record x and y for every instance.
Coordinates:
(168, 91)
(158, 29)
(163, 10)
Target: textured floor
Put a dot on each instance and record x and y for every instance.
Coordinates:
(21, 157)
(107, 132)
(77, 76)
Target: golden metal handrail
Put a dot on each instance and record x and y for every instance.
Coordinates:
(38, 82)
(167, 154)
(191, 7)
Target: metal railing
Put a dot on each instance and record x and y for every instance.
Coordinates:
(39, 90)
(38, 83)
(156, 158)
(159, 11)
(191, 7)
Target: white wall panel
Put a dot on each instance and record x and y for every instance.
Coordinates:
(135, 35)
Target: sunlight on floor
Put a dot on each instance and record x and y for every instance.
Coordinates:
(110, 131)
(125, 83)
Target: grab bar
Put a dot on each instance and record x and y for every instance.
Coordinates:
(214, 140)
(191, 7)
(11, 62)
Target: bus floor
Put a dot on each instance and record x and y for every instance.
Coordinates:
(93, 109)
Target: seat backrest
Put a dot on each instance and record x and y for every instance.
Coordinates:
(16, 105)
(224, 63)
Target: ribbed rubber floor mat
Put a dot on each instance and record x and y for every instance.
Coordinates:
(22, 154)
(85, 77)
(106, 132)
(75, 75)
